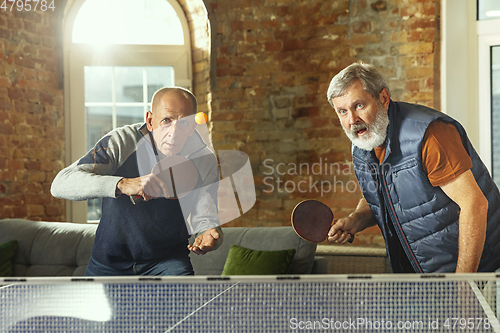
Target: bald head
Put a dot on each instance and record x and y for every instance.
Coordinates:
(159, 94)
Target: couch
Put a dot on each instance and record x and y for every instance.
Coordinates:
(264, 239)
(49, 248)
(63, 249)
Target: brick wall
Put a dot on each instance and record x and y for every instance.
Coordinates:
(199, 26)
(263, 82)
(273, 63)
(31, 114)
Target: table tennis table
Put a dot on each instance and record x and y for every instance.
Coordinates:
(364, 303)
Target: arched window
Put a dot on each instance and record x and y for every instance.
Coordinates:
(117, 53)
(150, 22)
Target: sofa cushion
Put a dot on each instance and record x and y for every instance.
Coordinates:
(49, 248)
(7, 251)
(258, 238)
(243, 261)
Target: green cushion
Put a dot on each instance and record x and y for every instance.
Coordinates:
(243, 261)
(7, 251)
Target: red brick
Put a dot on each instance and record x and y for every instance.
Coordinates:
(19, 212)
(223, 61)
(32, 165)
(419, 72)
(362, 39)
(282, 11)
(422, 23)
(321, 43)
(429, 83)
(251, 25)
(30, 27)
(293, 21)
(326, 20)
(225, 83)
(30, 38)
(35, 210)
(53, 210)
(263, 69)
(361, 27)
(236, 26)
(45, 52)
(295, 66)
(251, 81)
(226, 104)
(3, 189)
(15, 165)
(414, 36)
(6, 128)
(283, 35)
(254, 38)
(227, 116)
(5, 33)
(245, 125)
(322, 133)
(306, 112)
(15, 93)
(5, 82)
(243, 60)
(250, 48)
(37, 199)
(26, 61)
(274, 46)
(429, 9)
(29, 73)
(269, 24)
(291, 45)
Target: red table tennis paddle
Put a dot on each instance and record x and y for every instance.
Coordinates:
(178, 173)
(312, 220)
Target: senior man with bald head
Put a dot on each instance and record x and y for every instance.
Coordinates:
(150, 237)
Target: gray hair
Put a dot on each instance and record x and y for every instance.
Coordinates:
(373, 82)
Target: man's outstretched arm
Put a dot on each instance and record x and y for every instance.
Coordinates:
(465, 192)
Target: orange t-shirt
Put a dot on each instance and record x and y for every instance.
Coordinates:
(443, 154)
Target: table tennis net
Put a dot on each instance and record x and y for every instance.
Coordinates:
(378, 303)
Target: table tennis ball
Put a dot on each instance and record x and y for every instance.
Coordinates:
(200, 118)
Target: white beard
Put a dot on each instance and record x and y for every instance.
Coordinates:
(375, 134)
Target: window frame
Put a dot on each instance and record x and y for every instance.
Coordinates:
(488, 33)
(78, 55)
(459, 87)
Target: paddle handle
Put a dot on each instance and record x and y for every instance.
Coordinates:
(351, 239)
(135, 199)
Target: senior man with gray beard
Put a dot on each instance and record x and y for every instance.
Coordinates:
(422, 181)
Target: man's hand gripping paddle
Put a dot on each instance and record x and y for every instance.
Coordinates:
(177, 173)
(312, 220)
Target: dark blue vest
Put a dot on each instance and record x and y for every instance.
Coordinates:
(424, 220)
